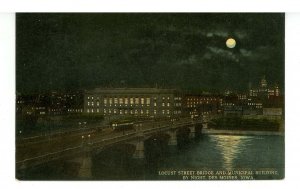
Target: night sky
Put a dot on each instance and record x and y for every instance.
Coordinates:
(183, 51)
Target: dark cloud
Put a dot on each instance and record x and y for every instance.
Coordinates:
(188, 51)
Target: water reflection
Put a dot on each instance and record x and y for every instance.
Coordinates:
(230, 147)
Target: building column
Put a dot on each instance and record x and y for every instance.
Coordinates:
(192, 133)
(173, 138)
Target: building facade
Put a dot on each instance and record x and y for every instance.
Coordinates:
(144, 102)
(197, 105)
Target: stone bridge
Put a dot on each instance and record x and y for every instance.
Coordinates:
(84, 152)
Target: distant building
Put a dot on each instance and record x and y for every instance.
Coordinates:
(197, 105)
(264, 91)
(143, 102)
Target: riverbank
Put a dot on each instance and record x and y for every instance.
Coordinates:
(239, 132)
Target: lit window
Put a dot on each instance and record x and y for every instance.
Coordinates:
(98, 103)
(168, 111)
(104, 111)
(126, 101)
(142, 112)
(136, 100)
(105, 101)
(163, 104)
(168, 98)
(136, 112)
(97, 110)
(121, 111)
(92, 98)
(120, 100)
(126, 111)
(88, 98)
(115, 111)
(92, 110)
(109, 111)
(131, 100)
(168, 104)
(92, 103)
(88, 103)
(142, 100)
(116, 100)
(163, 111)
(147, 101)
(110, 100)
(154, 111)
(154, 104)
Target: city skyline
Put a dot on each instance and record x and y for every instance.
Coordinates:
(182, 51)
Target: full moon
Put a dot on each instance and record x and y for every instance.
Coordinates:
(230, 43)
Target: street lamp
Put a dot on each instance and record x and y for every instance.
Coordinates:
(89, 141)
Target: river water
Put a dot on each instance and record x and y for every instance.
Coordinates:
(208, 153)
(211, 153)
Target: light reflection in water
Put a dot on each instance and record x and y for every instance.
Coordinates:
(230, 147)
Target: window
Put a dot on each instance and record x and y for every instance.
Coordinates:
(154, 104)
(97, 110)
(142, 112)
(115, 111)
(168, 104)
(88, 103)
(148, 101)
(136, 100)
(126, 101)
(88, 98)
(142, 100)
(110, 100)
(105, 101)
(163, 111)
(131, 101)
(92, 98)
(163, 104)
(98, 103)
(147, 112)
(168, 111)
(92, 110)
(154, 111)
(88, 110)
(121, 112)
(120, 100)
(104, 111)
(92, 103)
(116, 100)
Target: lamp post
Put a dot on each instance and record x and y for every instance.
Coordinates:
(82, 140)
(89, 139)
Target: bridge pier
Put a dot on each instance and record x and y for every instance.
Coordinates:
(139, 148)
(173, 138)
(85, 170)
(192, 132)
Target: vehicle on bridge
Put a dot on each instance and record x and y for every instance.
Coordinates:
(122, 125)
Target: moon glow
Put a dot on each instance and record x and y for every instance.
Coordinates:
(230, 43)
